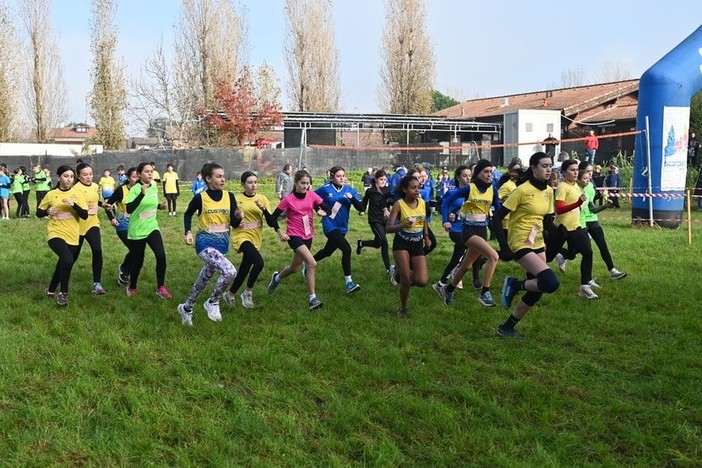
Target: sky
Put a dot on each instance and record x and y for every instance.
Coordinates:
(482, 49)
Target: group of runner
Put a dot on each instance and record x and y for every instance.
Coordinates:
(523, 205)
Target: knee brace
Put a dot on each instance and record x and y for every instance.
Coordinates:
(547, 281)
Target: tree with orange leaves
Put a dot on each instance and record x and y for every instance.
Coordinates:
(241, 114)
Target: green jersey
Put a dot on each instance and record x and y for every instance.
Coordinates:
(42, 181)
(586, 215)
(142, 221)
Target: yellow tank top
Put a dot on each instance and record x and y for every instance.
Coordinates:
(477, 206)
(215, 215)
(416, 232)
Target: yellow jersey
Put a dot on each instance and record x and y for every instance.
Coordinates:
(528, 206)
(64, 225)
(569, 194)
(91, 194)
(475, 209)
(419, 213)
(169, 182)
(251, 227)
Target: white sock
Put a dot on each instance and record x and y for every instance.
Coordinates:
(312, 296)
(347, 278)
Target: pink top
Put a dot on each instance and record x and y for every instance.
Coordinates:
(300, 214)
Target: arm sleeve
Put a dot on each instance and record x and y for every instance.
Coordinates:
(561, 207)
(80, 211)
(132, 205)
(177, 187)
(364, 202)
(594, 209)
(497, 225)
(450, 196)
(41, 213)
(358, 204)
(271, 221)
(194, 206)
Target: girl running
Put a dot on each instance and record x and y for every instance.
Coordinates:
(300, 206)
(339, 197)
(142, 204)
(248, 238)
(480, 196)
(453, 225)
(65, 207)
(569, 198)
(90, 227)
(119, 218)
(590, 222)
(530, 208)
(376, 200)
(407, 221)
(217, 212)
(171, 188)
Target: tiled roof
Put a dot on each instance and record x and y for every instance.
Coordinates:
(71, 133)
(571, 101)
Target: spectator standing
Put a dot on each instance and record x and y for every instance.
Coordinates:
(284, 182)
(171, 189)
(367, 178)
(598, 180)
(613, 182)
(592, 144)
(693, 149)
(550, 144)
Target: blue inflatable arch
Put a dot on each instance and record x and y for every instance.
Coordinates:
(665, 92)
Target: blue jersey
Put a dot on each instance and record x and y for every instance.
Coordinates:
(453, 206)
(339, 206)
(5, 191)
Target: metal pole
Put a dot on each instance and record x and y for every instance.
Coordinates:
(303, 142)
(689, 219)
(649, 176)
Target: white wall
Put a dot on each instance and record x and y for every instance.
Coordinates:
(40, 149)
(529, 128)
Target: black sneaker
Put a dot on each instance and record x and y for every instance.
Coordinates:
(509, 333)
(62, 299)
(122, 277)
(477, 284)
(403, 312)
(359, 247)
(508, 291)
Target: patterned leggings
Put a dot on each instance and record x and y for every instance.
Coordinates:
(214, 261)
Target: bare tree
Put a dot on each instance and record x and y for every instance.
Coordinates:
(573, 77)
(614, 71)
(407, 72)
(266, 85)
(108, 97)
(8, 74)
(45, 97)
(311, 56)
(210, 46)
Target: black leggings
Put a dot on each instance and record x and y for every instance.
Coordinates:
(458, 250)
(66, 258)
(40, 196)
(19, 198)
(127, 262)
(171, 199)
(25, 210)
(251, 266)
(432, 243)
(95, 243)
(137, 248)
(380, 241)
(597, 234)
(578, 243)
(337, 240)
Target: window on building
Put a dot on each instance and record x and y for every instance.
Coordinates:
(529, 127)
(549, 128)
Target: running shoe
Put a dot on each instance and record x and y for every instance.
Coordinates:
(503, 332)
(229, 298)
(315, 303)
(560, 259)
(593, 284)
(508, 291)
(459, 285)
(359, 246)
(392, 273)
(403, 312)
(122, 278)
(62, 299)
(212, 309)
(163, 292)
(49, 294)
(616, 274)
(587, 292)
(273, 283)
(186, 316)
(130, 291)
(438, 289)
(352, 287)
(477, 284)
(247, 299)
(98, 289)
(448, 296)
(486, 300)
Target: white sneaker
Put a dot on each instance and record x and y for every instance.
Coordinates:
(393, 270)
(586, 292)
(459, 285)
(593, 284)
(186, 316)
(560, 259)
(616, 274)
(247, 299)
(229, 298)
(212, 309)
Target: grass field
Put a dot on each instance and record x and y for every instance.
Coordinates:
(114, 380)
